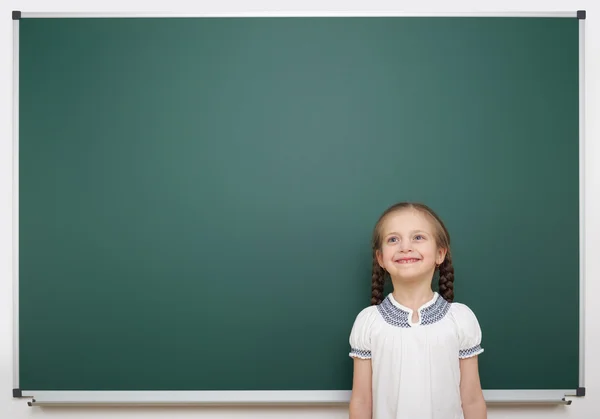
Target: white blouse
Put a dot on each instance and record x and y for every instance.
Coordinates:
(416, 367)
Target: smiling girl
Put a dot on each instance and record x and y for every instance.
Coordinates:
(415, 351)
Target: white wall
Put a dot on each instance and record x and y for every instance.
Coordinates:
(580, 409)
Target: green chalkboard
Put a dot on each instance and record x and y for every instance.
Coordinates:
(196, 195)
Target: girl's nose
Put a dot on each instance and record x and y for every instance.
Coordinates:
(405, 246)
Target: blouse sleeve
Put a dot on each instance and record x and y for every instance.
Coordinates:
(469, 332)
(360, 337)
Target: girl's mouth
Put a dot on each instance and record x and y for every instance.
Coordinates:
(406, 261)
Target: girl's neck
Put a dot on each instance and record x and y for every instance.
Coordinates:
(412, 294)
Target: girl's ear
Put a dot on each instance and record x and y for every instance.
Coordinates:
(441, 256)
(379, 258)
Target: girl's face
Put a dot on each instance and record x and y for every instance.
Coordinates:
(408, 249)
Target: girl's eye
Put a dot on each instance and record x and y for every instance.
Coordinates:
(419, 237)
(392, 239)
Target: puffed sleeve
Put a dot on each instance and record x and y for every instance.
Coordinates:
(469, 331)
(360, 335)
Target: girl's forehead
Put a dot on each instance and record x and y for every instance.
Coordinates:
(406, 220)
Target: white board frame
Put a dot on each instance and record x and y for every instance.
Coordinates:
(56, 398)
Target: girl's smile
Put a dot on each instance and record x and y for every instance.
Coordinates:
(404, 261)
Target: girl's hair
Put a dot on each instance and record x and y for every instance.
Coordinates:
(442, 240)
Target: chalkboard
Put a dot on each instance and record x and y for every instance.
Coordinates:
(196, 195)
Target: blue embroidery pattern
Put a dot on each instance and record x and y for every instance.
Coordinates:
(435, 312)
(466, 353)
(360, 353)
(397, 317)
(392, 314)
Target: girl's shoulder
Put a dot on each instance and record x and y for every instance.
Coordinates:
(463, 316)
(366, 316)
(461, 310)
(360, 335)
(469, 329)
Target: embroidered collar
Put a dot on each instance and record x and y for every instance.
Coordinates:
(398, 315)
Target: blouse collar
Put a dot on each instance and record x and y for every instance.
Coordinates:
(399, 315)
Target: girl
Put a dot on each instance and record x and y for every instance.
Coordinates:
(415, 351)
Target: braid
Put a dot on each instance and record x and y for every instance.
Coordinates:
(446, 283)
(377, 282)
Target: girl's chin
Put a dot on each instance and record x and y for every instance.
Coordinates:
(413, 275)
